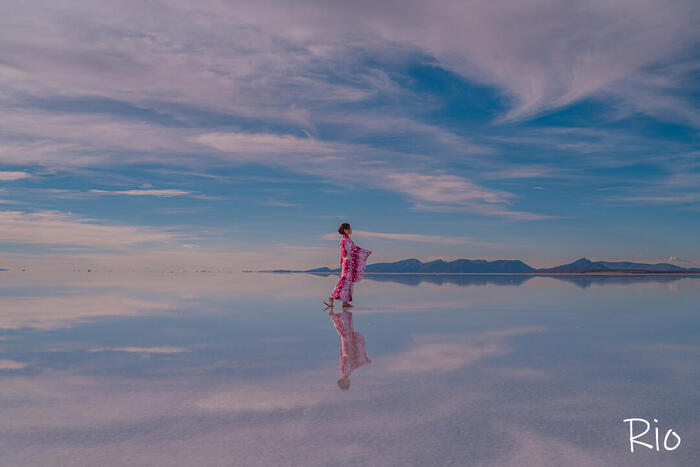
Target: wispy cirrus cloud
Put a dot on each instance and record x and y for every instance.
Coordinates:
(660, 199)
(542, 54)
(280, 204)
(429, 189)
(680, 186)
(543, 57)
(256, 144)
(69, 139)
(449, 193)
(525, 216)
(658, 92)
(445, 189)
(533, 171)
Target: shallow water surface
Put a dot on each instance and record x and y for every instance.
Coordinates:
(208, 369)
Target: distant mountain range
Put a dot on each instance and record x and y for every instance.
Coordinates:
(464, 266)
(585, 265)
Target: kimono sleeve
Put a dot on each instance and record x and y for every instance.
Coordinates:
(349, 245)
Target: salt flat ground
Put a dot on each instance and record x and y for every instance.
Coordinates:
(219, 369)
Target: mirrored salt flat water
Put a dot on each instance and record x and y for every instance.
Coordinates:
(209, 369)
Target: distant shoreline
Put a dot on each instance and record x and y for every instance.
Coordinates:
(582, 266)
(591, 273)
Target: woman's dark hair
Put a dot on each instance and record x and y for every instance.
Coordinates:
(343, 226)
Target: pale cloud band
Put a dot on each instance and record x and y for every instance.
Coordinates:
(418, 238)
(12, 365)
(165, 192)
(142, 350)
(58, 228)
(13, 175)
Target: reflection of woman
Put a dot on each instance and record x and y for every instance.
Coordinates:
(352, 267)
(352, 347)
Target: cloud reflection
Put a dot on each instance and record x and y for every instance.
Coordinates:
(466, 280)
(55, 312)
(440, 353)
(480, 386)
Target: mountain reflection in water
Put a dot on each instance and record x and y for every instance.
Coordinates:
(580, 280)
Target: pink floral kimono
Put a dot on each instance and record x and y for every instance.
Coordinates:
(352, 344)
(353, 260)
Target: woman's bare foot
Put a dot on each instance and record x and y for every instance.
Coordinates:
(347, 305)
(329, 302)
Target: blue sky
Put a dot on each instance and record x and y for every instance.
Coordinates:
(230, 135)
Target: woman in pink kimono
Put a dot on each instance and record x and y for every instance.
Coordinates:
(352, 347)
(353, 260)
